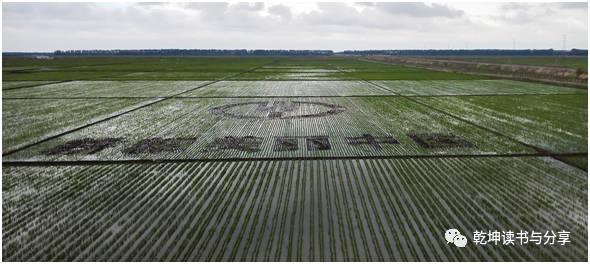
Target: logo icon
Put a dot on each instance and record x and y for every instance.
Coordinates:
(277, 110)
(455, 237)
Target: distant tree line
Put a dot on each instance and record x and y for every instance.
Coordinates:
(193, 52)
(260, 52)
(469, 52)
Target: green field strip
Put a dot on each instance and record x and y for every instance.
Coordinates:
(394, 117)
(158, 76)
(570, 62)
(552, 123)
(29, 121)
(419, 75)
(381, 209)
(494, 76)
(65, 63)
(214, 68)
(63, 73)
(363, 70)
(287, 88)
(80, 89)
(55, 76)
(474, 87)
(115, 68)
(328, 70)
(25, 84)
(114, 76)
(189, 64)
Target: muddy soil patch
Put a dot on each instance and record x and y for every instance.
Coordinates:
(86, 146)
(318, 143)
(368, 139)
(440, 140)
(158, 145)
(285, 144)
(247, 143)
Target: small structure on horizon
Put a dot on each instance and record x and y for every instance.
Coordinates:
(43, 57)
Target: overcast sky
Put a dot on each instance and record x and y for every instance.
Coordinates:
(335, 26)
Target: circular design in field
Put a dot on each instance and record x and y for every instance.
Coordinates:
(277, 110)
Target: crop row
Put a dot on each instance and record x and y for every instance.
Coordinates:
(26, 121)
(127, 68)
(345, 210)
(104, 89)
(470, 87)
(556, 123)
(282, 88)
(288, 88)
(195, 118)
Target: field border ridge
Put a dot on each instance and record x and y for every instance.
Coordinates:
(283, 96)
(20, 163)
(32, 85)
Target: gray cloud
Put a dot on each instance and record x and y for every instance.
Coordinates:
(50, 10)
(575, 5)
(216, 7)
(338, 26)
(151, 3)
(258, 6)
(281, 11)
(419, 9)
(533, 13)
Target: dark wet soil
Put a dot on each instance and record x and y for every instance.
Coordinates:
(368, 139)
(247, 143)
(83, 146)
(158, 145)
(318, 143)
(285, 144)
(440, 140)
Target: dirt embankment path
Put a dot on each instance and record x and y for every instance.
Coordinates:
(552, 75)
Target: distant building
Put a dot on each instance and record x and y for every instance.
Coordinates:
(43, 57)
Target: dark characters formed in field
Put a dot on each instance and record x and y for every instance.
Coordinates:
(318, 143)
(368, 139)
(440, 140)
(247, 143)
(157, 145)
(285, 144)
(86, 146)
